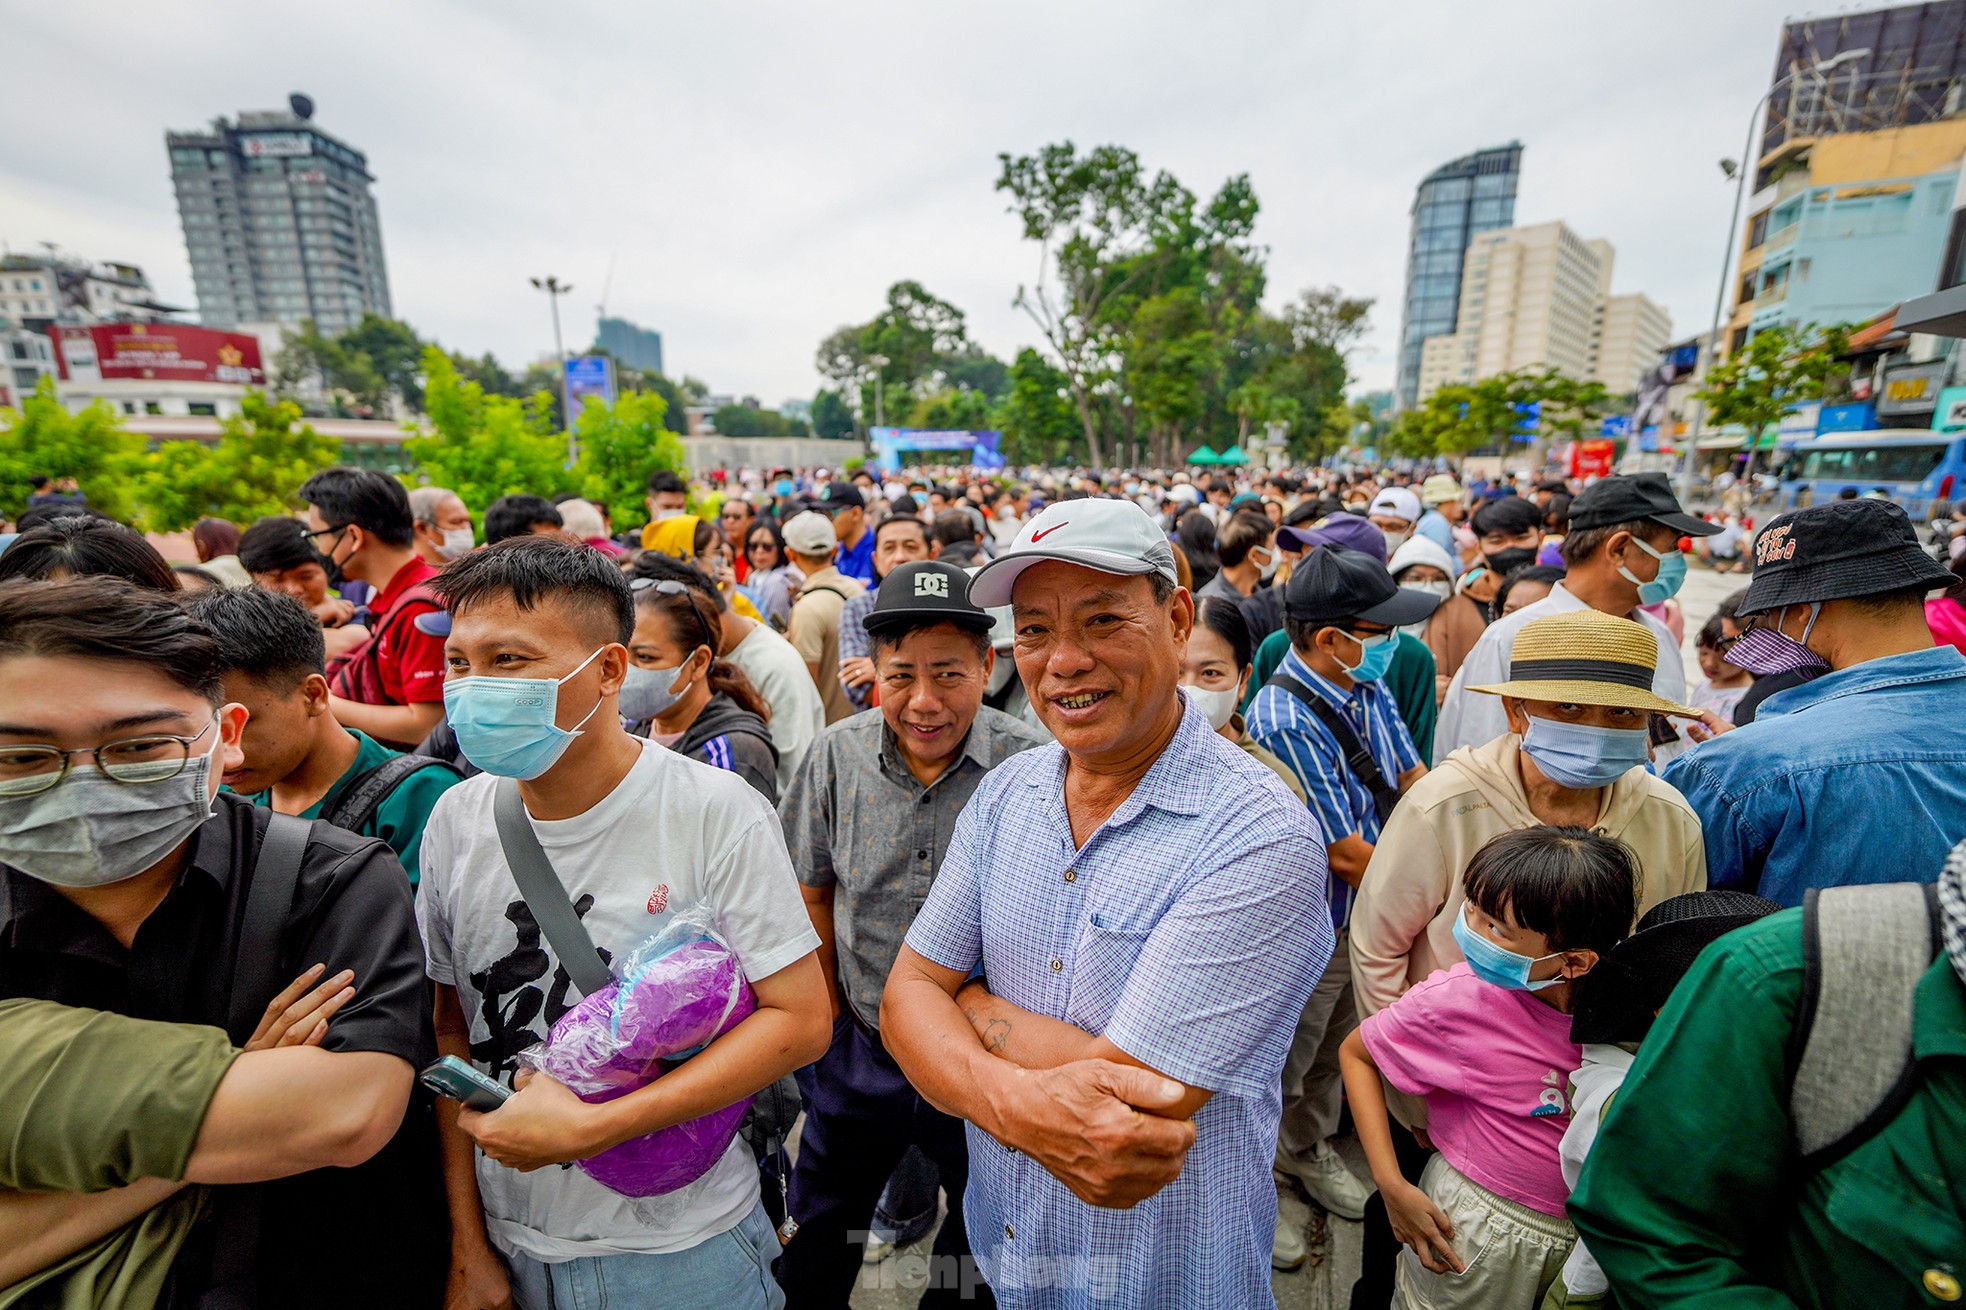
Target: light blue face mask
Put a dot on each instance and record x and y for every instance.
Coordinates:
(1665, 584)
(506, 726)
(1497, 964)
(1375, 658)
(1579, 755)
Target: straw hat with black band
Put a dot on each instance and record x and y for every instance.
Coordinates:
(1586, 657)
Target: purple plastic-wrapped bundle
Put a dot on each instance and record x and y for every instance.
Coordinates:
(671, 996)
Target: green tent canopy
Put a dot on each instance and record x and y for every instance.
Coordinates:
(1204, 455)
(1234, 455)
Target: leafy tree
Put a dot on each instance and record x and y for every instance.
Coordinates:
(483, 447)
(830, 416)
(620, 445)
(1779, 367)
(262, 456)
(488, 373)
(1172, 357)
(952, 409)
(749, 420)
(393, 355)
(91, 447)
(925, 341)
(1037, 418)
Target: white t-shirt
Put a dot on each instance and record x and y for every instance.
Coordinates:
(781, 677)
(675, 833)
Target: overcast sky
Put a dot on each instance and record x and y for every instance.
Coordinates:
(760, 172)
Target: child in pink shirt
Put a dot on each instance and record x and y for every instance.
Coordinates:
(1487, 1044)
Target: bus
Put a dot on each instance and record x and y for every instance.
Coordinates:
(1913, 466)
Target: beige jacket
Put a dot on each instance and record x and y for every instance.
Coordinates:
(1403, 920)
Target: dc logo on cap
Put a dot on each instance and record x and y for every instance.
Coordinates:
(932, 584)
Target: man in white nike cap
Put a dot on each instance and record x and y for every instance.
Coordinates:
(1145, 901)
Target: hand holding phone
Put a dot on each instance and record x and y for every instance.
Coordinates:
(461, 1082)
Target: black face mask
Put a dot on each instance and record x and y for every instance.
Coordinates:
(1505, 562)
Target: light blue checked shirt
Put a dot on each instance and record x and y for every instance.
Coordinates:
(855, 644)
(1282, 725)
(1190, 931)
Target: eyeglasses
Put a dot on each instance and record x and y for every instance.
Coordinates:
(671, 587)
(159, 757)
(322, 532)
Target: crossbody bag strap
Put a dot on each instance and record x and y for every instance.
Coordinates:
(545, 895)
(256, 973)
(1357, 758)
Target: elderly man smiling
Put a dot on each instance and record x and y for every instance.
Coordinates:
(1146, 903)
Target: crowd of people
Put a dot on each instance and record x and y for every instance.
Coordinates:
(1102, 851)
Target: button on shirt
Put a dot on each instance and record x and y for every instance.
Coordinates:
(1858, 776)
(1185, 931)
(1284, 726)
(856, 820)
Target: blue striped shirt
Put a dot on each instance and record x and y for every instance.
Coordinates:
(1185, 931)
(1283, 726)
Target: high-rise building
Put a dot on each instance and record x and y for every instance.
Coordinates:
(1456, 202)
(1540, 297)
(40, 291)
(279, 222)
(632, 346)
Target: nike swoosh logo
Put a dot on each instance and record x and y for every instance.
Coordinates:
(1036, 537)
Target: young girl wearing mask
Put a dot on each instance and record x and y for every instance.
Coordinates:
(1486, 1043)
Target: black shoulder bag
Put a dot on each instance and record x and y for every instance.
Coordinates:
(1357, 757)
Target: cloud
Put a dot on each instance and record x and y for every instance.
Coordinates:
(760, 173)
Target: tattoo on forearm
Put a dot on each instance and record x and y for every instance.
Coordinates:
(996, 1035)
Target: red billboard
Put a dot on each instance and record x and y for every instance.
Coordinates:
(163, 352)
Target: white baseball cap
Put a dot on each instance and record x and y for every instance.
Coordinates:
(1396, 502)
(810, 533)
(1112, 536)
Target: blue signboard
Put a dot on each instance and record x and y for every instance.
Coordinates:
(1617, 427)
(589, 377)
(1531, 418)
(979, 447)
(1648, 439)
(1856, 417)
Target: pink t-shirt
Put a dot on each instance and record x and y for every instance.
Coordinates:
(1494, 1065)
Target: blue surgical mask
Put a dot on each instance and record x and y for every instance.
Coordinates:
(1498, 965)
(1375, 658)
(1665, 585)
(1580, 755)
(506, 726)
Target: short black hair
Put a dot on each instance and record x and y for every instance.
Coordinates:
(1224, 619)
(105, 618)
(275, 544)
(83, 546)
(892, 635)
(514, 516)
(532, 569)
(1549, 573)
(1712, 633)
(37, 480)
(371, 501)
(1576, 887)
(907, 507)
(1889, 604)
(1245, 531)
(902, 520)
(953, 527)
(1510, 514)
(666, 480)
(266, 635)
(658, 567)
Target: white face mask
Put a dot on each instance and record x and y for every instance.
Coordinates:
(1442, 588)
(663, 515)
(457, 542)
(1394, 540)
(90, 830)
(1270, 564)
(1218, 704)
(646, 693)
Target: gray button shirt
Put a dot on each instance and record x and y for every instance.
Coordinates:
(857, 821)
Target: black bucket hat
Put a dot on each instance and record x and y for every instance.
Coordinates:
(1615, 1001)
(1837, 551)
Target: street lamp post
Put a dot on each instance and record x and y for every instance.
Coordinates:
(1708, 351)
(554, 289)
(879, 362)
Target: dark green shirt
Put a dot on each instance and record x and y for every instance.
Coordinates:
(1693, 1197)
(1410, 678)
(399, 820)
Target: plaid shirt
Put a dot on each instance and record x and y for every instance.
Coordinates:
(855, 644)
(1188, 932)
(1282, 725)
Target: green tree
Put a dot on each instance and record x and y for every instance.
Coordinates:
(483, 447)
(952, 409)
(925, 341)
(91, 447)
(394, 357)
(620, 445)
(262, 455)
(1037, 418)
(830, 416)
(1779, 367)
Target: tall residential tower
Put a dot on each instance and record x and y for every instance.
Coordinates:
(279, 222)
(1457, 201)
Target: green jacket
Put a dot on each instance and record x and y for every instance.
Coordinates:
(1410, 679)
(1693, 1197)
(400, 819)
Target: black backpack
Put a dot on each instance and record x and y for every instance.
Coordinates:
(359, 800)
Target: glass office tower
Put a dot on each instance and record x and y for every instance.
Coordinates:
(1466, 196)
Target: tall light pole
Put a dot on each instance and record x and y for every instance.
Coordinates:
(879, 362)
(554, 289)
(1749, 157)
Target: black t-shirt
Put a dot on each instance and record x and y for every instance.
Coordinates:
(1764, 687)
(373, 1236)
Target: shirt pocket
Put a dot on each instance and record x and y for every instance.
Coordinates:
(1101, 967)
(1918, 1241)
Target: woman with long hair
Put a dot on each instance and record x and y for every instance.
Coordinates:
(680, 695)
(771, 582)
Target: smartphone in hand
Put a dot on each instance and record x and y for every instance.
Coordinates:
(454, 1078)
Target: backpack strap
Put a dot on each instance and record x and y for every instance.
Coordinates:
(1864, 950)
(257, 973)
(355, 807)
(1357, 758)
(543, 892)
